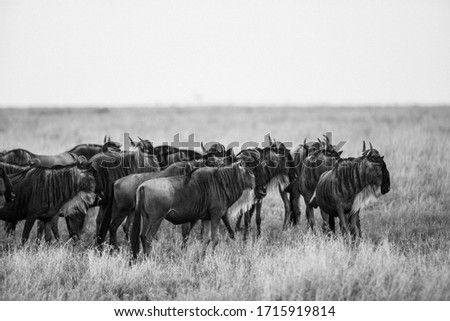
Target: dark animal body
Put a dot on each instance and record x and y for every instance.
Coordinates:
(205, 193)
(23, 157)
(111, 166)
(43, 193)
(277, 175)
(311, 161)
(124, 193)
(351, 184)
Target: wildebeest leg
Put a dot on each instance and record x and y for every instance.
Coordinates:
(29, 222)
(185, 231)
(294, 198)
(54, 227)
(325, 222)
(258, 218)
(226, 222)
(310, 216)
(358, 224)
(287, 209)
(150, 226)
(332, 224)
(207, 226)
(103, 221)
(118, 216)
(342, 221)
(128, 223)
(214, 227)
(353, 228)
(247, 220)
(40, 231)
(238, 221)
(48, 231)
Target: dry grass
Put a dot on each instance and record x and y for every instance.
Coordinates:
(404, 256)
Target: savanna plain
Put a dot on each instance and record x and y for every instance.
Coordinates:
(404, 253)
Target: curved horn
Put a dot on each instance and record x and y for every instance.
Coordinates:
(371, 149)
(304, 142)
(232, 154)
(203, 147)
(270, 139)
(364, 146)
(131, 141)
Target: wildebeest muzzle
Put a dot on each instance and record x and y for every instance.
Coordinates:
(260, 192)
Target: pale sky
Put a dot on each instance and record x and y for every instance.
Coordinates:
(110, 52)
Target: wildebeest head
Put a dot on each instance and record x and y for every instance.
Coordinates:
(109, 145)
(280, 148)
(75, 209)
(217, 150)
(377, 168)
(329, 149)
(145, 146)
(252, 160)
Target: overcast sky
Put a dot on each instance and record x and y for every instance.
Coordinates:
(109, 52)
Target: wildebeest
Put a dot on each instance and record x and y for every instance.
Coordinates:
(351, 184)
(21, 156)
(42, 193)
(124, 192)
(311, 161)
(204, 193)
(111, 166)
(277, 175)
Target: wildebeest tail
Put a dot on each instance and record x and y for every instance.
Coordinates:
(136, 228)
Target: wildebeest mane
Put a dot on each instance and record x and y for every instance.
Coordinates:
(50, 187)
(227, 183)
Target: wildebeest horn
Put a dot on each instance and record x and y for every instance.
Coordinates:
(203, 147)
(141, 139)
(304, 142)
(270, 139)
(371, 149)
(231, 153)
(131, 141)
(364, 146)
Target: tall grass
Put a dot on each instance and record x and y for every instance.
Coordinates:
(404, 255)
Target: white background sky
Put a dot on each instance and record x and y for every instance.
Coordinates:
(109, 52)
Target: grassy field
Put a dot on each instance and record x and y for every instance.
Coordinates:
(405, 254)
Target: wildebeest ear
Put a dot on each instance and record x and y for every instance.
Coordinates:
(340, 152)
(203, 147)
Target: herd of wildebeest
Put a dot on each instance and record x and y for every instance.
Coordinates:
(140, 187)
